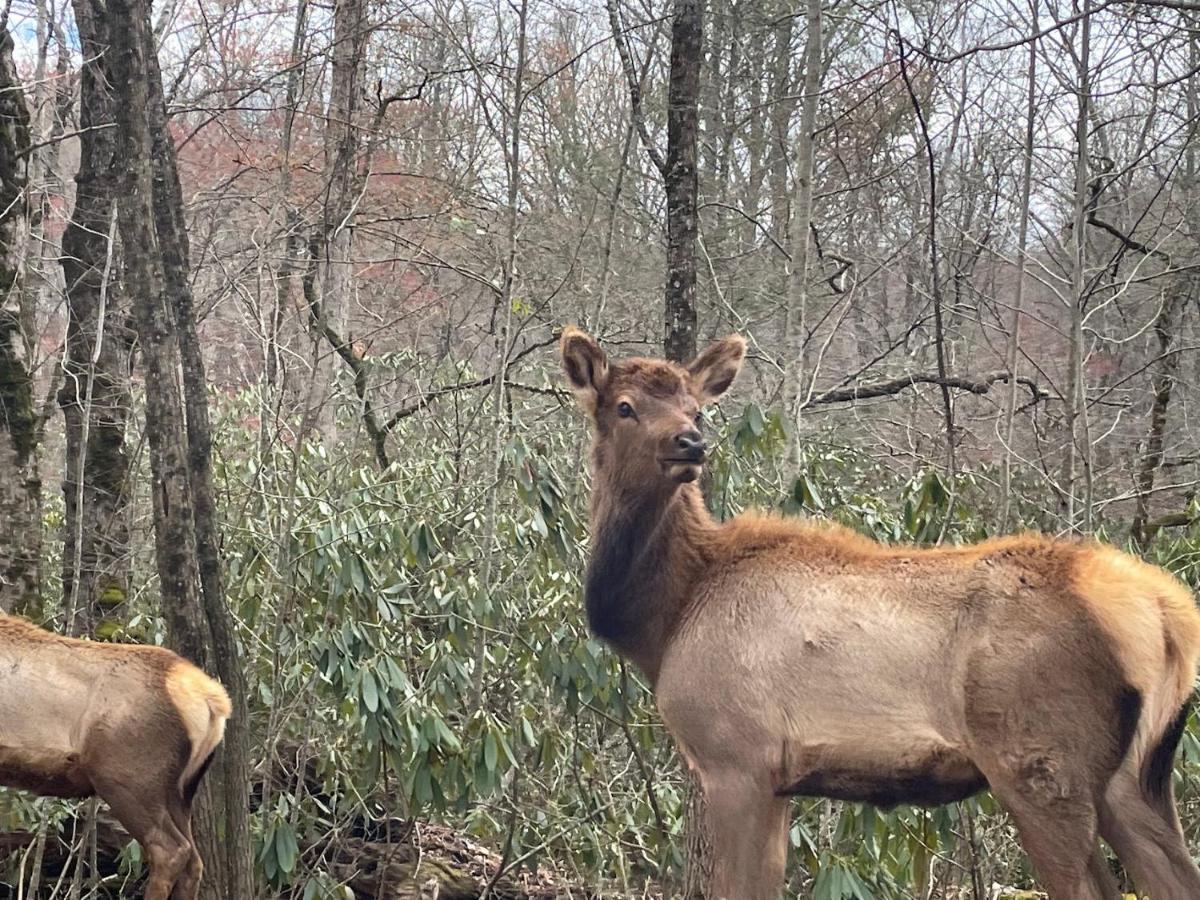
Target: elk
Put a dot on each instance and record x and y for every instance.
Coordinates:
(136, 726)
(796, 658)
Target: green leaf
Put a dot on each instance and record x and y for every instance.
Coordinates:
(490, 751)
(286, 848)
(754, 418)
(370, 691)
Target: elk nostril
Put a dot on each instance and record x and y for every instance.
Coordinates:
(690, 441)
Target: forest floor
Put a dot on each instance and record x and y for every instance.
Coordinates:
(425, 862)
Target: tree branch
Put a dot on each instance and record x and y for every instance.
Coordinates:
(434, 393)
(635, 88)
(980, 385)
(1125, 239)
(344, 349)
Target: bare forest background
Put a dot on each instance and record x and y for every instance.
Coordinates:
(280, 284)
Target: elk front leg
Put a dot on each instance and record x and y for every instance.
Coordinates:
(747, 823)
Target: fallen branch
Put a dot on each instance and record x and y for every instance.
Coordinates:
(890, 388)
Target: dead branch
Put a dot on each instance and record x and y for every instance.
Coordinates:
(1129, 242)
(979, 385)
(635, 88)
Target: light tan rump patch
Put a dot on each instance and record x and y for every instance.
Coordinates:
(204, 707)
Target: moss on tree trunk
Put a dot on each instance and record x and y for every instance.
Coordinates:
(20, 487)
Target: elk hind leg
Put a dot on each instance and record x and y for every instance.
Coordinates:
(150, 824)
(188, 885)
(1147, 837)
(1060, 835)
(747, 823)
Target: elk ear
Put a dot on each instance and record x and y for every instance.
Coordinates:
(585, 365)
(713, 371)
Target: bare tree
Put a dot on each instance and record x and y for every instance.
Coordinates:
(1014, 331)
(801, 224)
(95, 396)
(20, 485)
(150, 213)
(333, 241)
(681, 178)
(1079, 447)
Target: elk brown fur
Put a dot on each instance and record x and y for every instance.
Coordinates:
(136, 726)
(790, 657)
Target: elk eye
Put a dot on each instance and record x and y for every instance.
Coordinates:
(624, 410)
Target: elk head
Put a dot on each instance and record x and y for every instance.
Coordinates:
(646, 412)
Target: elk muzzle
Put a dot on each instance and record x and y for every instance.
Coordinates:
(684, 456)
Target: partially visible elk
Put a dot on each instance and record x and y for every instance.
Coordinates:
(135, 726)
(792, 658)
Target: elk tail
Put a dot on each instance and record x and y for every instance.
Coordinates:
(204, 707)
(1156, 769)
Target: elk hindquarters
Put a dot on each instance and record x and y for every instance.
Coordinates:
(1050, 709)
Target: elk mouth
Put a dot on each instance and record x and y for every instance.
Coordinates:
(682, 469)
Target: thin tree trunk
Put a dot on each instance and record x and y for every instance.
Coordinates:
(226, 792)
(1166, 325)
(781, 105)
(95, 396)
(1079, 451)
(20, 486)
(512, 153)
(1166, 331)
(681, 180)
(935, 282)
(1014, 331)
(275, 370)
(802, 213)
(342, 141)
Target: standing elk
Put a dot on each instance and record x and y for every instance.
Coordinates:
(791, 658)
(135, 726)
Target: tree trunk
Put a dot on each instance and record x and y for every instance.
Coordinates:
(186, 548)
(681, 181)
(1167, 324)
(1166, 330)
(20, 487)
(341, 189)
(226, 797)
(95, 396)
(794, 336)
(780, 106)
(1079, 449)
(1014, 332)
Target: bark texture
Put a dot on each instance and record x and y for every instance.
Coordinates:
(20, 487)
(186, 535)
(681, 181)
(1166, 332)
(342, 144)
(95, 396)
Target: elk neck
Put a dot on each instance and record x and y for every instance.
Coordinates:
(648, 549)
